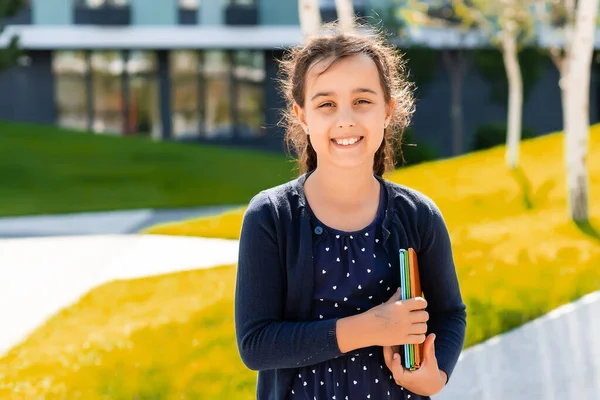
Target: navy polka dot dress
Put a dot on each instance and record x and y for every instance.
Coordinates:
(352, 275)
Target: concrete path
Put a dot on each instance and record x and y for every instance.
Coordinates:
(99, 223)
(40, 276)
(555, 357)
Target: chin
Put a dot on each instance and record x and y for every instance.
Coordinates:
(356, 164)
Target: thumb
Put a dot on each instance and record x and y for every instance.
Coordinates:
(397, 368)
(429, 349)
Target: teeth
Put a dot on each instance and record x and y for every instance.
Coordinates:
(346, 141)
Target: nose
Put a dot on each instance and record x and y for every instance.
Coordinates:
(345, 118)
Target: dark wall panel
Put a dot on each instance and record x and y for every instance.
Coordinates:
(27, 90)
(274, 102)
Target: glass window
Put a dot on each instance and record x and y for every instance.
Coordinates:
(69, 68)
(144, 106)
(107, 67)
(240, 2)
(249, 75)
(217, 110)
(185, 98)
(102, 3)
(189, 4)
(65, 62)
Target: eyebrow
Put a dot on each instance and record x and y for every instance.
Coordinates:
(357, 90)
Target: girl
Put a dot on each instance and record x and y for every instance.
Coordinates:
(317, 308)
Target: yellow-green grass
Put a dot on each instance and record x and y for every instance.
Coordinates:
(172, 337)
(164, 337)
(225, 225)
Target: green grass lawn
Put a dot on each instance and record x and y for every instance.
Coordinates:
(50, 170)
(171, 337)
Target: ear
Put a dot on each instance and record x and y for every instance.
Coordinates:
(299, 111)
(390, 111)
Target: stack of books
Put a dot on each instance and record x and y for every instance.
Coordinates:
(410, 285)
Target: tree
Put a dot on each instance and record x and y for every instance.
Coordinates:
(509, 24)
(457, 63)
(10, 54)
(576, 21)
(310, 16)
(345, 13)
(441, 14)
(436, 14)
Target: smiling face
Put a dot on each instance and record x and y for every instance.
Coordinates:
(345, 111)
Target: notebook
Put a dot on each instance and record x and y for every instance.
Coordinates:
(411, 287)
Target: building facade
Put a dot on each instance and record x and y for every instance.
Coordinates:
(203, 70)
(180, 69)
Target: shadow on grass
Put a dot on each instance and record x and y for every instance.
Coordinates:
(588, 229)
(525, 185)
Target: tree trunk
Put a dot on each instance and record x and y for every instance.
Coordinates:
(310, 16)
(457, 114)
(515, 97)
(578, 109)
(456, 62)
(345, 13)
(564, 99)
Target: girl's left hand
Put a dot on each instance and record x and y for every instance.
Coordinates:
(425, 381)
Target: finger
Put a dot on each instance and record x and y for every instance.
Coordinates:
(418, 316)
(415, 339)
(418, 329)
(417, 303)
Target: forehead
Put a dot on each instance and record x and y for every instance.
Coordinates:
(359, 70)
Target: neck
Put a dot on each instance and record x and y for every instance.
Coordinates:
(344, 187)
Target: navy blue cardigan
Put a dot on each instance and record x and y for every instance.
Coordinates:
(274, 283)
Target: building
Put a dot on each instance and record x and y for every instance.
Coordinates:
(182, 69)
(203, 70)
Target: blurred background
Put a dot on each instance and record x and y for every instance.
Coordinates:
(134, 133)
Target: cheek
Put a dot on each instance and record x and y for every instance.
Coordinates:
(376, 132)
(319, 130)
(319, 141)
(318, 137)
(317, 120)
(375, 144)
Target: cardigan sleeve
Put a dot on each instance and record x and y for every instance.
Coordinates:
(439, 282)
(264, 339)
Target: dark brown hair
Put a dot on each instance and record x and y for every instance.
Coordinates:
(332, 44)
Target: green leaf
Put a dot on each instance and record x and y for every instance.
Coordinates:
(10, 54)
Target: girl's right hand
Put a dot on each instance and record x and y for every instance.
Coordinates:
(400, 322)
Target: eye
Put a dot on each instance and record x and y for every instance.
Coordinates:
(362, 101)
(328, 104)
